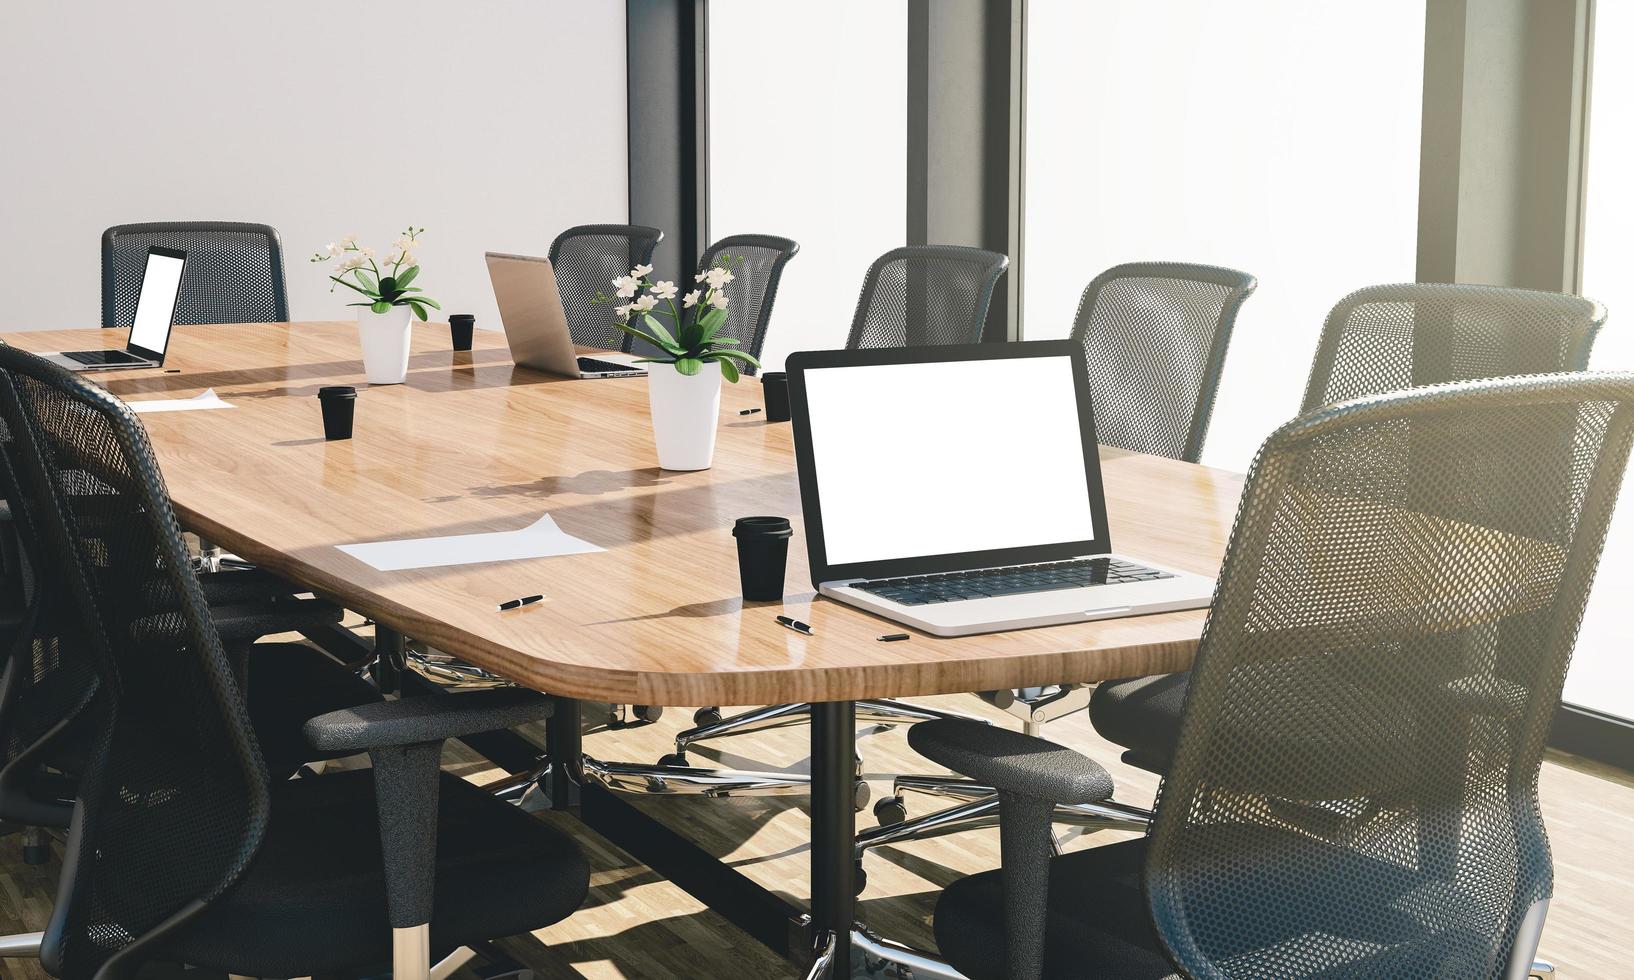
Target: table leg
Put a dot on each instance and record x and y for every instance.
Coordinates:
(389, 648)
(833, 829)
(564, 748)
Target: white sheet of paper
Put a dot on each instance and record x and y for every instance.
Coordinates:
(205, 399)
(541, 539)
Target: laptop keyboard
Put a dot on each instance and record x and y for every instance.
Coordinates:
(984, 583)
(103, 357)
(592, 365)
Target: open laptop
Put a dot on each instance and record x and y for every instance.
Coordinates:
(150, 331)
(958, 490)
(530, 309)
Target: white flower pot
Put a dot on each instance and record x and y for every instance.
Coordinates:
(685, 413)
(385, 338)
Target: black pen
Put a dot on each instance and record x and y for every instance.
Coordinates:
(749, 411)
(892, 637)
(526, 600)
(796, 625)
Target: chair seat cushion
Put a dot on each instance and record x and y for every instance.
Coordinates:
(1264, 906)
(1142, 714)
(1097, 924)
(314, 900)
(289, 683)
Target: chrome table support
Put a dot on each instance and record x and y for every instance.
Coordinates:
(909, 963)
(629, 777)
(882, 711)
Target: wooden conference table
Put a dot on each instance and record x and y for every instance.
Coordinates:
(471, 443)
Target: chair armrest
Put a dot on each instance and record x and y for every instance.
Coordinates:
(1012, 762)
(432, 718)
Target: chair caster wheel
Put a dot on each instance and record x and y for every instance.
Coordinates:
(35, 855)
(706, 716)
(677, 760)
(859, 880)
(860, 794)
(890, 811)
(649, 713)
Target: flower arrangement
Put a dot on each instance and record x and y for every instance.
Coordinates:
(693, 337)
(381, 291)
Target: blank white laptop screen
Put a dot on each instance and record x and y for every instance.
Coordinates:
(913, 460)
(161, 279)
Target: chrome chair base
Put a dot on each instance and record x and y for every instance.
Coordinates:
(979, 808)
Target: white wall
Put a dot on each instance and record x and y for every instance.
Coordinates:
(1279, 137)
(493, 125)
(808, 139)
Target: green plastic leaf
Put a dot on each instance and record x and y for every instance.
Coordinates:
(380, 306)
(689, 366)
(387, 284)
(714, 319)
(729, 371)
(367, 281)
(427, 300)
(407, 276)
(741, 355)
(419, 310)
(643, 335)
(665, 339)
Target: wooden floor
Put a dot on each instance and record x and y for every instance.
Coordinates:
(635, 925)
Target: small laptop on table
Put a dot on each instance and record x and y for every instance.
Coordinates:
(958, 490)
(150, 331)
(530, 310)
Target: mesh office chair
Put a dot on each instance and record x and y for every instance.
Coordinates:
(1378, 339)
(1354, 790)
(1155, 335)
(757, 268)
(926, 295)
(586, 260)
(235, 271)
(183, 849)
(47, 679)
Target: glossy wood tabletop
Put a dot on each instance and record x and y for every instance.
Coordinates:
(471, 443)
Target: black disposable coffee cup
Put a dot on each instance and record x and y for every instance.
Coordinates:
(460, 326)
(763, 556)
(338, 403)
(774, 387)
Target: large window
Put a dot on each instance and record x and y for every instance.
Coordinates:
(1280, 137)
(1602, 675)
(808, 137)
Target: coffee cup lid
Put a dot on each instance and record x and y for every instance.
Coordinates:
(762, 527)
(337, 391)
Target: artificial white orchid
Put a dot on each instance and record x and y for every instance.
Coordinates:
(381, 290)
(692, 339)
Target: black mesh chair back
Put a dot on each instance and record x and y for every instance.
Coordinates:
(1155, 335)
(47, 680)
(926, 295)
(1354, 792)
(1385, 338)
(586, 260)
(173, 803)
(757, 267)
(235, 271)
